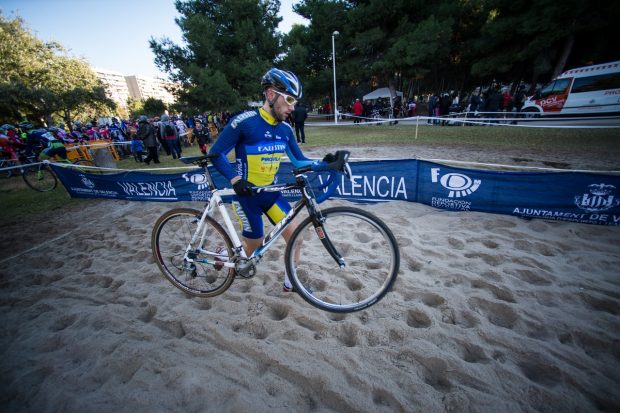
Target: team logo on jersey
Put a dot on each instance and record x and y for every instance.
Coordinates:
(600, 198)
(87, 182)
(197, 179)
(268, 134)
(459, 185)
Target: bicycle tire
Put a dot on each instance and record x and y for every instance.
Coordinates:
(39, 177)
(368, 247)
(170, 237)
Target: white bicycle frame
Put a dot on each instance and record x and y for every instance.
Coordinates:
(216, 202)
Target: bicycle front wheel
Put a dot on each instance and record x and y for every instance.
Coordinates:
(370, 252)
(170, 240)
(39, 177)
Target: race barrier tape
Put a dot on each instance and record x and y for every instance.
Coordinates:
(566, 196)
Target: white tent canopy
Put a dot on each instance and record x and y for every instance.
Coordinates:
(383, 92)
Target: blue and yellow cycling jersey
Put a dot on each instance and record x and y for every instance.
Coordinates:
(260, 142)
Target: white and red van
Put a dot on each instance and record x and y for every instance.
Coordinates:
(584, 90)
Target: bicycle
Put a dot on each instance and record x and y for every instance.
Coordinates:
(339, 259)
(39, 176)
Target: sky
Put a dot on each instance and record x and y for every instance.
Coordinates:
(112, 34)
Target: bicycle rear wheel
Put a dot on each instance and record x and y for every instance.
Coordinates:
(370, 252)
(39, 177)
(170, 239)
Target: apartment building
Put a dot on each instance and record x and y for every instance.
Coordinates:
(120, 87)
(115, 85)
(141, 87)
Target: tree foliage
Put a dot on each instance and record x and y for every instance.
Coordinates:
(426, 46)
(228, 46)
(40, 81)
(153, 107)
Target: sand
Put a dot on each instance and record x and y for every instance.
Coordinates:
(490, 313)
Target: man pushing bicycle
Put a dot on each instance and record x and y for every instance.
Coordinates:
(260, 139)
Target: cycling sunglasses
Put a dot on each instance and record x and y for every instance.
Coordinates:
(287, 98)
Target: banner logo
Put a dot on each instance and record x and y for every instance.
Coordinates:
(197, 179)
(459, 185)
(600, 198)
(87, 182)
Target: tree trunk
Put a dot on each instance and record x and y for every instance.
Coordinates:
(67, 118)
(561, 63)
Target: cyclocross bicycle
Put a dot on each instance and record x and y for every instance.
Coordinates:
(40, 177)
(340, 259)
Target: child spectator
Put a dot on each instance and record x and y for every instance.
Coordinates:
(203, 136)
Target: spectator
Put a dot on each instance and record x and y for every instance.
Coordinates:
(182, 132)
(411, 108)
(146, 133)
(506, 100)
(494, 102)
(519, 98)
(358, 110)
(444, 107)
(476, 103)
(170, 135)
(202, 136)
(432, 103)
(299, 116)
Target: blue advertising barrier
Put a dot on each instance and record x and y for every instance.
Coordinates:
(566, 196)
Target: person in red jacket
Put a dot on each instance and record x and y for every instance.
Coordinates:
(358, 109)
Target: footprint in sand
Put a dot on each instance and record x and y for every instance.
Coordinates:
(147, 312)
(63, 322)
(534, 277)
(457, 244)
(385, 398)
(173, 327)
(499, 314)
(499, 293)
(418, 319)
(348, 335)
(279, 312)
(539, 370)
(601, 304)
(433, 300)
(459, 318)
(472, 353)
(493, 260)
(435, 373)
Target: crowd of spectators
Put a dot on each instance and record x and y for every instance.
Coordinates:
(170, 134)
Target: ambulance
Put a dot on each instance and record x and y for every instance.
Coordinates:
(584, 90)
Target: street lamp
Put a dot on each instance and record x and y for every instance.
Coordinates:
(334, 34)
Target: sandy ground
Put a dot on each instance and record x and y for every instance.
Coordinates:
(489, 313)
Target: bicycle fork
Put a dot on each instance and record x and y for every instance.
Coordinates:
(214, 258)
(319, 228)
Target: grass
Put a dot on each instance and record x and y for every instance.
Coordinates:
(504, 137)
(18, 201)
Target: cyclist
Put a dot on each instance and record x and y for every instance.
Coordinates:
(118, 135)
(51, 145)
(10, 142)
(260, 139)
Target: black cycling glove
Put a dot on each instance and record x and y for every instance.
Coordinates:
(243, 188)
(329, 158)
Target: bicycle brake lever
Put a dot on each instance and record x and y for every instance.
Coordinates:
(347, 171)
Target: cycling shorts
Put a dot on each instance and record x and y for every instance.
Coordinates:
(250, 210)
(55, 149)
